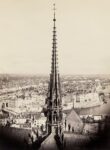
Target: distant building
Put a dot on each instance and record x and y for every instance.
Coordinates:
(67, 106)
(87, 100)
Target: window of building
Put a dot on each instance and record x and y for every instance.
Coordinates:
(6, 104)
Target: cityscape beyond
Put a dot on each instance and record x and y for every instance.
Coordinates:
(22, 105)
(55, 111)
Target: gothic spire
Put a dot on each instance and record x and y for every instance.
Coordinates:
(54, 99)
(54, 69)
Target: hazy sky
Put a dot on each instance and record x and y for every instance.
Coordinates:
(83, 32)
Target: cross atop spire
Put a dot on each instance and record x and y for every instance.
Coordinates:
(54, 9)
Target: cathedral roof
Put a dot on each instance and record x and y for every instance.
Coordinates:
(74, 120)
(49, 143)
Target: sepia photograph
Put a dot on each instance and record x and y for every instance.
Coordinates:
(54, 74)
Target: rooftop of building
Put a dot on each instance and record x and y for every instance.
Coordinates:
(49, 143)
(103, 109)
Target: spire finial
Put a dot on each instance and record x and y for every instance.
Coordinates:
(54, 9)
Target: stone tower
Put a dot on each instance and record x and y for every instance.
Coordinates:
(54, 99)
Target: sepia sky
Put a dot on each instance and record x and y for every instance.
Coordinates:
(83, 33)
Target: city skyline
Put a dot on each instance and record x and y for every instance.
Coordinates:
(83, 35)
